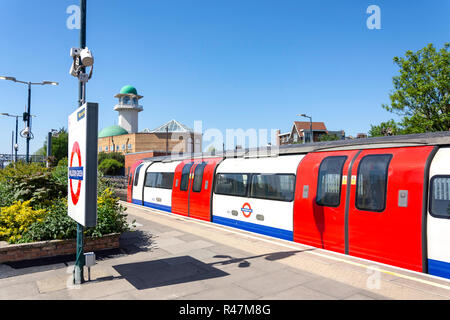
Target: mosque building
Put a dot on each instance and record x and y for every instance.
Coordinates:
(171, 137)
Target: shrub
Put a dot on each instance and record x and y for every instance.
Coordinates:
(16, 219)
(110, 167)
(58, 225)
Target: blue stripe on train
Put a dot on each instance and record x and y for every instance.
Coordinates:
(268, 231)
(439, 268)
(158, 206)
(153, 205)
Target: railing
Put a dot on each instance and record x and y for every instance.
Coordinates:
(6, 159)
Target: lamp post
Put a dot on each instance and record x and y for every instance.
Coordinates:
(310, 126)
(16, 146)
(26, 115)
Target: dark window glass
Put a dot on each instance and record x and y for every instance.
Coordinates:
(136, 175)
(440, 197)
(162, 180)
(231, 184)
(198, 177)
(371, 182)
(185, 177)
(329, 181)
(273, 186)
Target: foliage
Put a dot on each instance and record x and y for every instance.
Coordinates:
(329, 137)
(32, 182)
(422, 91)
(58, 225)
(6, 194)
(111, 155)
(389, 128)
(60, 146)
(110, 167)
(16, 219)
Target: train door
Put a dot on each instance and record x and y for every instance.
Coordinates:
(438, 216)
(321, 192)
(201, 188)
(138, 179)
(385, 206)
(130, 181)
(181, 188)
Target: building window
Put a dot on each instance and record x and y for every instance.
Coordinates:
(100, 149)
(440, 197)
(295, 137)
(371, 185)
(123, 147)
(106, 148)
(129, 146)
(329, 181)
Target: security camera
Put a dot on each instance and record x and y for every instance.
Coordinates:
(87, 59)
(75, 52)
(26, 131)
(16, 146)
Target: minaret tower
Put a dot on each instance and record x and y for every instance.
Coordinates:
(128, 108)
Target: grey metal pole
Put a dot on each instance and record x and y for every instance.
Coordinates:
(80, 262)
(28, 123)
(15, 149)
(310, 129)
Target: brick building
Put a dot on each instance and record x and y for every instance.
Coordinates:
(125, 138)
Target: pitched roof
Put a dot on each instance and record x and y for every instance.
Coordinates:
(305, 125)
(172, 125)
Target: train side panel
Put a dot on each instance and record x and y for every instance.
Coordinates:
(158, 185)
(131, 180)
(438, 216)
(321, 192)
(257, 195)
(180, 190)
(385, 207)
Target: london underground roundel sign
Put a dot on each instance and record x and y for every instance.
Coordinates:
(246, 210)
(75, 173)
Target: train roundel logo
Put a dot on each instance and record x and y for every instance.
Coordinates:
(246, 210)
(75, 173)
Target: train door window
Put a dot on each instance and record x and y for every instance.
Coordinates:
(371, 185)
(166, 180)
(198, 177)
(273, 186)
(150, 179)
(136, 175)
(329, 181)
(231, 184)
(185, 176)
(440, 197)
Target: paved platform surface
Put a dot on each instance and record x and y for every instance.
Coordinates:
(173, 257)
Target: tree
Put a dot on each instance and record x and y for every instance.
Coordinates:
(389, 128)
(328, 137)
(111, 155)
(110, 167)
(60, 146)
(422, 90)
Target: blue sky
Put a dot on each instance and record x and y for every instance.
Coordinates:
(232, 64)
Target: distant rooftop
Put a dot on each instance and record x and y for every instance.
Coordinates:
(172, 125)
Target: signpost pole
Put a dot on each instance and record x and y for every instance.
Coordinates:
(79, 263)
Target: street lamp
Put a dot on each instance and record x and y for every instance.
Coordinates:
(310, 126)
(26, 115)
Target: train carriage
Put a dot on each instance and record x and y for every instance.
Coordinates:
(382, 199)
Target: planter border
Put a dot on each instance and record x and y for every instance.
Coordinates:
(53, 248)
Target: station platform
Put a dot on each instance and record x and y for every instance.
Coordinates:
(176, 257)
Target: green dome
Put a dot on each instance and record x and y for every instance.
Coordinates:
(112, 131)
(128, 90)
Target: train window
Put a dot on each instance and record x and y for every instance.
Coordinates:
(231, 184)
(198, 177)
(329, 181)
(163, 180)
(440, 197)
(136, 175)
(185, 176)
(371, 184)
(273, 186)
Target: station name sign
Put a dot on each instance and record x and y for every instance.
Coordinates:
(82, 162)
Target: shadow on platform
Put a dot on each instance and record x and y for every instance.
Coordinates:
(169, 271)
